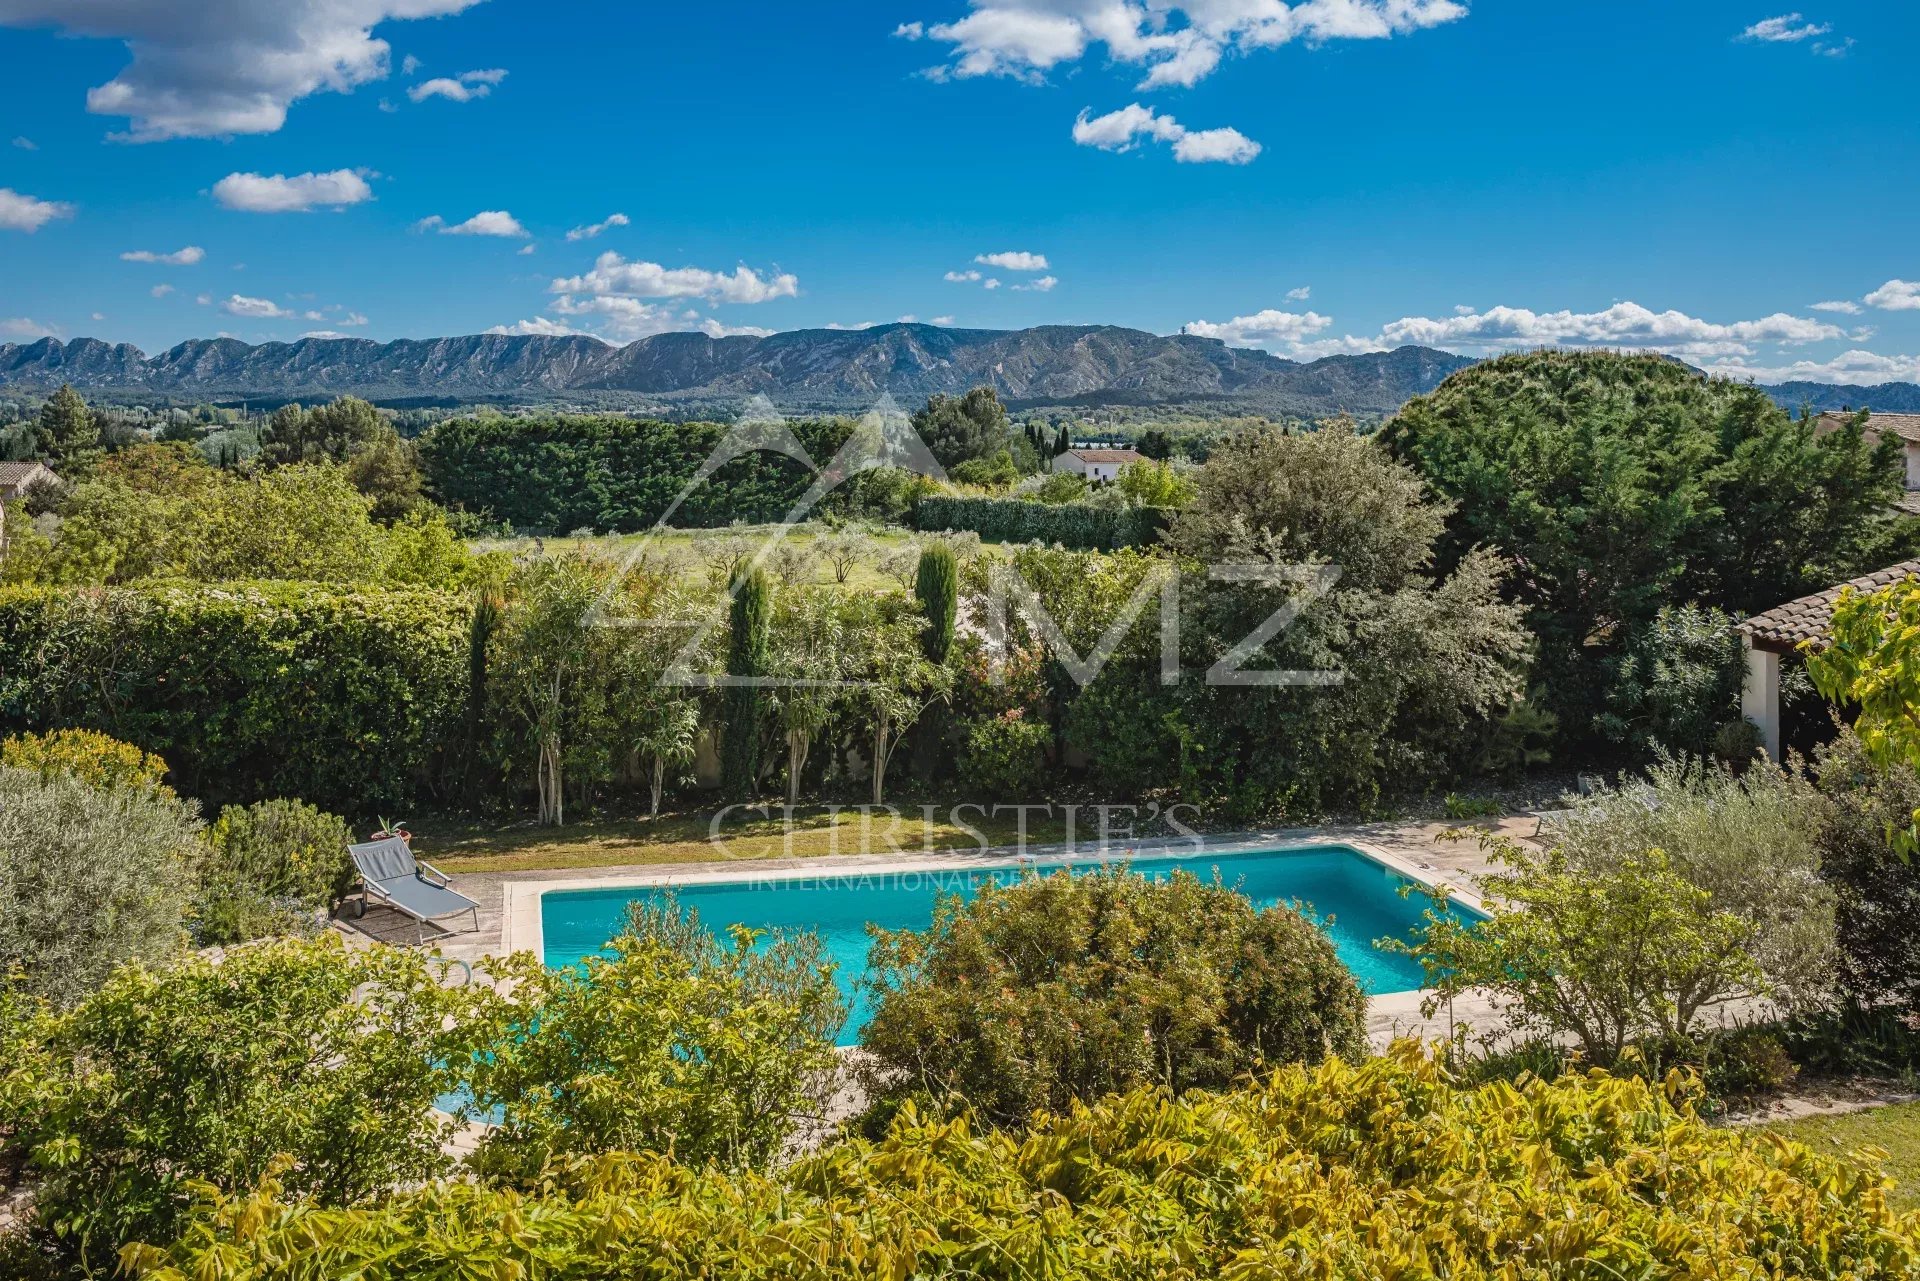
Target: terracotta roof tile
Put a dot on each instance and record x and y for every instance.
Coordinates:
(1905, 426)
(15, 474)
(1108, 455)
(1784, 627)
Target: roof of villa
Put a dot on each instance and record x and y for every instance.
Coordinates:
(1905, 426)
(15, 474)
(1784, 627)
(1107, 455)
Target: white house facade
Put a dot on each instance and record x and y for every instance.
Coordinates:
(1098, 465)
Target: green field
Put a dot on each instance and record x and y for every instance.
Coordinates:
(1895, 1130)
(881, 565)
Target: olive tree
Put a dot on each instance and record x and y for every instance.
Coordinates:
(90, 876)
(1749, 841)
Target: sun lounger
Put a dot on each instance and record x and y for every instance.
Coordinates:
(390, 874)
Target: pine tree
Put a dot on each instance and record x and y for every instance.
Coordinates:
(1062, 442)
(745, 705)
(65, 433)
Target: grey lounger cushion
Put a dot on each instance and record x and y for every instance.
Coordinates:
(390, 865)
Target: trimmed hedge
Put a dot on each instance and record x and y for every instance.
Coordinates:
(1382, 1171)
(1009, 520)
(564, 472)
(342, 696)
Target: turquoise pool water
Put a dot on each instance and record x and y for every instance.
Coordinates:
(1355, 899)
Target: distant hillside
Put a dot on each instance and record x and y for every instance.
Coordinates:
(1888, 398)
(803, 370)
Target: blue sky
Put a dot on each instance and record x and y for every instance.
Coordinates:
(1309, 177)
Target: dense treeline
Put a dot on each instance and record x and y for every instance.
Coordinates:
(568, 472)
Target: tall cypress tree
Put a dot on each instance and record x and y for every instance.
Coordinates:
(1062, 442)
(937, 585)
(745, 705)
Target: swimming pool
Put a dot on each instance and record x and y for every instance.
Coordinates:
(1355, 898)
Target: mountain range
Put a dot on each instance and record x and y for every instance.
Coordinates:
(801, 370)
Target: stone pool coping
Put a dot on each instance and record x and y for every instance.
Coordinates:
(522, 921)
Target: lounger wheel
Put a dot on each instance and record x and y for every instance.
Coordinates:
(359, 906)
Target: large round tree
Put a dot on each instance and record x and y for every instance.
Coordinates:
(1623, 483)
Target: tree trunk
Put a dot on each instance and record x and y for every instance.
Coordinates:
(881, 750)
(659, 784)
(553, 803)
(797, 744)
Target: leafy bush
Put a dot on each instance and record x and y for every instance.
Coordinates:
(1327, 1172)
(89, 877)
(1005, 757)
(673, 1043)
(1610, 955)
(1009, 520)
(1748, 840)
(1877, 887)
(342, 696)
(1678, 684)
(94, 758)
(270, 867)
(1069, 987)
(1120, 721)
(307, 1060)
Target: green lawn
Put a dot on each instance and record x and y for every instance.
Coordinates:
(1895, 1129)
(470, 846)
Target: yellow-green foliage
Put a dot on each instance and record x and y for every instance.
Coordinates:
(1382, 1171)
(92, 757)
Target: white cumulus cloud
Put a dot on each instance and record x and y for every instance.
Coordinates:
(1043, 285)
(1896, 295)
(278, 193)
(593, 229)
(212, 68)
(1125, 129)
(178, 258)
(20, 212)
(464, 87)
(1625, 324)
(1852, 369)
(160, 291)
(540, 327)
(1788, 28)
(615, 275)
(256, 308)
(1267, 329)
(1301, 294)
(963, 277)
(1844, 306)
(1015, 260)
(488, 222)
(1176, 42)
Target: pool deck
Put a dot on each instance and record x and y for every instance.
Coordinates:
(509, 901)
